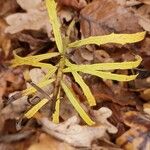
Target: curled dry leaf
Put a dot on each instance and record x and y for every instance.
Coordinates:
(137, 137)
(35, 18)
(106, 16)
(81, 136)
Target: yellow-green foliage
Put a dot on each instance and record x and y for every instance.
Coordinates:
(101, 70)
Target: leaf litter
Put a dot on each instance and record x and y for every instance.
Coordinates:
(119, 105)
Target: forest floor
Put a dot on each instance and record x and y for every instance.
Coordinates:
(122, 111)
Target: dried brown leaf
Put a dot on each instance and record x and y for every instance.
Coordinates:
(77, 4)
(106, 16)
(145, 1)
(7, 7)
(35, 18)
(146, 94)
(137, 137)
(101, 116)
(113, 92)
(146, 108)
(81, 136)
(37, 40)
(143, 16)
(5, 42)
(10, 81)
(49, 143)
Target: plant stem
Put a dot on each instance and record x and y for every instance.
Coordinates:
(57, 85)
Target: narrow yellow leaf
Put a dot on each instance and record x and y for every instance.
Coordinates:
(49, 74)
(111, 76)
(57, 108)
(104, 66)
(51, 7)
(111, 38)
(86, 90)
(31, 90)
(74, 101)
(33, 60)
(43, 56)
(35, 108)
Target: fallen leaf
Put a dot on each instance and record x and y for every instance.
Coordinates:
(35, 18)
(10, 81)
(145, 1)
(146, 108)
(102, 56)
(105, 145)
(47, 142)
(5, 41)
(137, 137)
(77, 4)
(80, 136)
(7, 7)
(106, 16)
(144, 48)
(143, 16)
(101, 116)
(36, 39)
(146, 94)
(113, 92)
(67, 109)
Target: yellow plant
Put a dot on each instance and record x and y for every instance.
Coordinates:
(102, 70)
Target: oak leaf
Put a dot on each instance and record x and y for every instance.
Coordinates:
(81, 136)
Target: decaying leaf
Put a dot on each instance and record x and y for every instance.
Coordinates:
(81, 136)
(10, 81)
(5, 42)
(35, 18)
(146, 94)
(101, 116)
(146, 108)
(46, 142)
(137, 137)
(35, 39)
(73, 3)
(145, 1)
(144, 17)
(106, 16)
(7, 7)
(15, 109)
